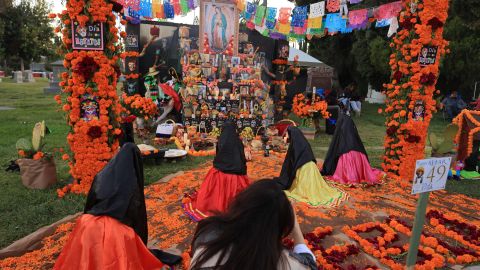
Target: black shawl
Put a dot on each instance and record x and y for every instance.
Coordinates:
(230, 157)
(299, 153)
(345, 139)
(117, 192)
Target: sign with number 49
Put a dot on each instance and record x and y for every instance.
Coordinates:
(431, 174)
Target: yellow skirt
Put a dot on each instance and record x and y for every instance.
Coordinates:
(310, 187)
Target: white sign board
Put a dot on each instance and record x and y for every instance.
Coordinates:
(431, 174)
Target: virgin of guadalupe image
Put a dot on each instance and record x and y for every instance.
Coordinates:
(218, 31)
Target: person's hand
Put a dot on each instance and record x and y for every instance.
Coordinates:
(297, 232)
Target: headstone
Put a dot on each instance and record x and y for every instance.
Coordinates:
(54, 88)
(375, 97)
(18, 77)
(28, 76)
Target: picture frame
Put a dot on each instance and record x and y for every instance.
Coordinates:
(235, 61)
(219, 26)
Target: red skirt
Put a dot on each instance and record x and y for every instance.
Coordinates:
(102, 242)
(215, 194)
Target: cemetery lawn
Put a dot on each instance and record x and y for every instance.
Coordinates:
(24, 211)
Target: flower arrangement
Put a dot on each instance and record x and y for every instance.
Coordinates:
(139, 106)
(91, 76)
(306, 109)
(411, 82)
(33, 149)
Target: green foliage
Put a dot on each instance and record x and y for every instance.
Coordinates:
(461, 66)
(24, 144)
(27, 32)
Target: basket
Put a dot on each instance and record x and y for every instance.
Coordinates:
(166, 129)
(282, 126)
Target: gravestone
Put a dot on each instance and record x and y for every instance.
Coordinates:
(54, 88)
(28, 76)
(17, 77)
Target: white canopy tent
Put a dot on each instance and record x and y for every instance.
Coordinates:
(304, 59)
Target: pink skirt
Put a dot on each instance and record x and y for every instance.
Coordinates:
(353, 168)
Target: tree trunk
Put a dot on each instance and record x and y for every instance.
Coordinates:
(22, 65)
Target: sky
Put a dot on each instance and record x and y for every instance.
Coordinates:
(57, 6)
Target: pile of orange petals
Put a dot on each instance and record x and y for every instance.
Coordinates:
(389, 209)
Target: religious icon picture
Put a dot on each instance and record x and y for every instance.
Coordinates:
(419, 111)
(235, 61)
(89, 109)
(218, 27)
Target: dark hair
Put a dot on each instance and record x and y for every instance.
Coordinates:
(250, 233)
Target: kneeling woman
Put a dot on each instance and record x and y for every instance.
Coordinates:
(224, 181)
(249, 235)
(347, 160)
(300, 176)
(112, 233)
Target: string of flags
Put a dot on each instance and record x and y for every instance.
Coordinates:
(317, 19)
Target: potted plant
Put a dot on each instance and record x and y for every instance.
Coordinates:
(307, 108)
(37, 168)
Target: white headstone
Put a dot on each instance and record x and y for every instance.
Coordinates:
(28, 76)
(18, 77)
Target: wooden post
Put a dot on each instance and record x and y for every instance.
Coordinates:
(417, 230)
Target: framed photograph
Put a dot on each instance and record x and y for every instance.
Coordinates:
(205, 58)
(244, 90)
(207, 71)
(219, 26)
(235, 61)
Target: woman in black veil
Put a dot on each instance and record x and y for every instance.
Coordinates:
(112, 233)
(224, 181)
(300, 176)
(346, 160)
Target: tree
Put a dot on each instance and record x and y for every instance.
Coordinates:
(461, 67)
(28, 34)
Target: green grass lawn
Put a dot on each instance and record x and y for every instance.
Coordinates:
(24, 211)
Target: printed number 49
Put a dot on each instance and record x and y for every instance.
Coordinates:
(441, 170)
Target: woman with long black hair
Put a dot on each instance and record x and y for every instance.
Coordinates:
(249, 235)
(224, 181)
(300, 176)
(112, 233)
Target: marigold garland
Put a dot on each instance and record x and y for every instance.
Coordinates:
(93, 142)
(461, 138)
(411, 83)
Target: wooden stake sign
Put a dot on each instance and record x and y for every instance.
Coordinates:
(430, 175)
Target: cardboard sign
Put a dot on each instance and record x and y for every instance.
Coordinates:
(431, 174)
(88, 37)
(428, 55)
